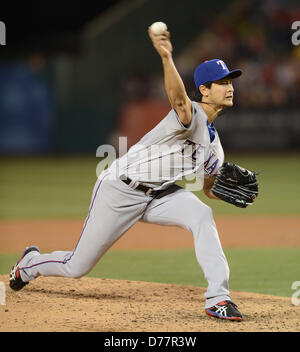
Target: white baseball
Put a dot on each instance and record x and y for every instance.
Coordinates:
(158, 28)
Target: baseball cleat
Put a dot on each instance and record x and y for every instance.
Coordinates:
(15, 281)
(225, 310)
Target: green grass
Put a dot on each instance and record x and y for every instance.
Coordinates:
(46, 187)
(264, 270)
(61, 187)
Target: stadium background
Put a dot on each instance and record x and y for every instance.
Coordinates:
(73, 79)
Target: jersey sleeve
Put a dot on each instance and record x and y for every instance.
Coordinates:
(173, 123)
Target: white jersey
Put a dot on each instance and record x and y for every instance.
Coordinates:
(171, 151)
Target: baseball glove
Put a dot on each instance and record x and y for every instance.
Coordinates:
(236, 185)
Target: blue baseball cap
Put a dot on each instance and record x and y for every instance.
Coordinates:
(213, 70)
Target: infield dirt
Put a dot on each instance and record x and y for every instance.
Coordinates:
(92, 304)
(105, 305)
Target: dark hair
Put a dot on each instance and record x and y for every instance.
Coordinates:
(197, 96)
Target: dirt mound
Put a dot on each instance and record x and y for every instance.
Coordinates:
(104, 305)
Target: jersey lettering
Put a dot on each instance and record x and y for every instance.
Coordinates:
(195, 148)
(213, 166)
(209, 159)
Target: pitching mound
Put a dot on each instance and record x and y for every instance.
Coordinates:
(104, 305)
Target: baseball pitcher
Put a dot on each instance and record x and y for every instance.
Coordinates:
(141, 185)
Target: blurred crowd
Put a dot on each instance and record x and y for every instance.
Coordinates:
(253, 35)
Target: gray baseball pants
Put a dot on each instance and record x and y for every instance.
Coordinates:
(114, 208)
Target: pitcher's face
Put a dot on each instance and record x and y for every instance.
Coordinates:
(221, 92)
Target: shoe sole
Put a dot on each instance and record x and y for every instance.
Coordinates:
(219, 316)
